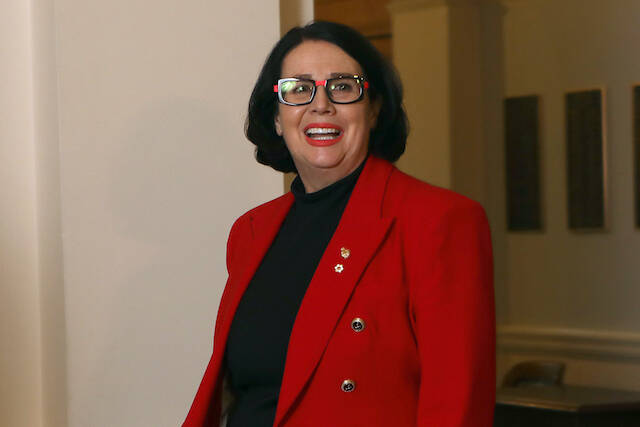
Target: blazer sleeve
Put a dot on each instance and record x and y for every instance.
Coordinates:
(452, 307)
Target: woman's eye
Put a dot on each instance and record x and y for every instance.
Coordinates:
(341, 87)
(302, 89)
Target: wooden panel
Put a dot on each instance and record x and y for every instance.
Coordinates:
(586, 159)
(370, 17)
(636, 126)
(523, 169)
(384, 45)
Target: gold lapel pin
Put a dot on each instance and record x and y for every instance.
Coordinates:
(344, 252)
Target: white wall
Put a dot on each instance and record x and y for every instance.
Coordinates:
(20, 394)
(154, 169)
(123, 164)
(565, 287)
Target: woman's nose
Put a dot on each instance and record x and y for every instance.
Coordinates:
(321, 102)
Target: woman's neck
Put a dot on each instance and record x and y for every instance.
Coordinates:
(315, 179)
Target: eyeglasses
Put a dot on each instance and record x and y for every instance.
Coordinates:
(340, 90)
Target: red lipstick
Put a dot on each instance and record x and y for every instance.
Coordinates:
(323, 134)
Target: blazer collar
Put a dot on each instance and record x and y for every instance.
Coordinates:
(367, 194)
(265, 221)
(360, 232)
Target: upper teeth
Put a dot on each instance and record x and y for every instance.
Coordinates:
(322, 130)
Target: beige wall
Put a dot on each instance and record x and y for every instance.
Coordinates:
(123, 165)
(421, 55)
(585, 44)
(20, 355)
(575, 294)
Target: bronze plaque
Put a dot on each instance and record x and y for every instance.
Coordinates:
(523, 166)
(586, 159)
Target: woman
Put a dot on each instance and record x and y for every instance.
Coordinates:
(363, 297)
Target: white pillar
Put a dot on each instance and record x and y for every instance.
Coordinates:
(438, 50)
(421, 54)
(20, 357)
(50, 260)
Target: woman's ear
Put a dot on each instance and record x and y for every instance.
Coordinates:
(277, 124)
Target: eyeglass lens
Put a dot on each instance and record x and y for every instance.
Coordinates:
(339, 90)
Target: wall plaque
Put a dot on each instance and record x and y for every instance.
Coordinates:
(522, 156)
(586, 159)
(636, 139)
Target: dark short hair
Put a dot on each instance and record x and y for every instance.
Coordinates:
(387, 139)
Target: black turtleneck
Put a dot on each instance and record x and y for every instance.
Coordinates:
(259, 334)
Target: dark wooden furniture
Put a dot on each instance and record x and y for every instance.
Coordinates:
(535, 372)
(566, 406)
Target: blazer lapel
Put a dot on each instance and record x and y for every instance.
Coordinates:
(264, 228)
(359, 234)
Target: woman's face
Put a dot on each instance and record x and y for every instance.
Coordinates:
(323, 161)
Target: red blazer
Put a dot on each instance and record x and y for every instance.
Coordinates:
(414, 262)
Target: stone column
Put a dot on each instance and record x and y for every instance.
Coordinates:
(440, 51)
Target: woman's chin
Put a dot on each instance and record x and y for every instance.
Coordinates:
(325, 162)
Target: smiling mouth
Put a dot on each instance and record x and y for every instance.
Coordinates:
(322, 134)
